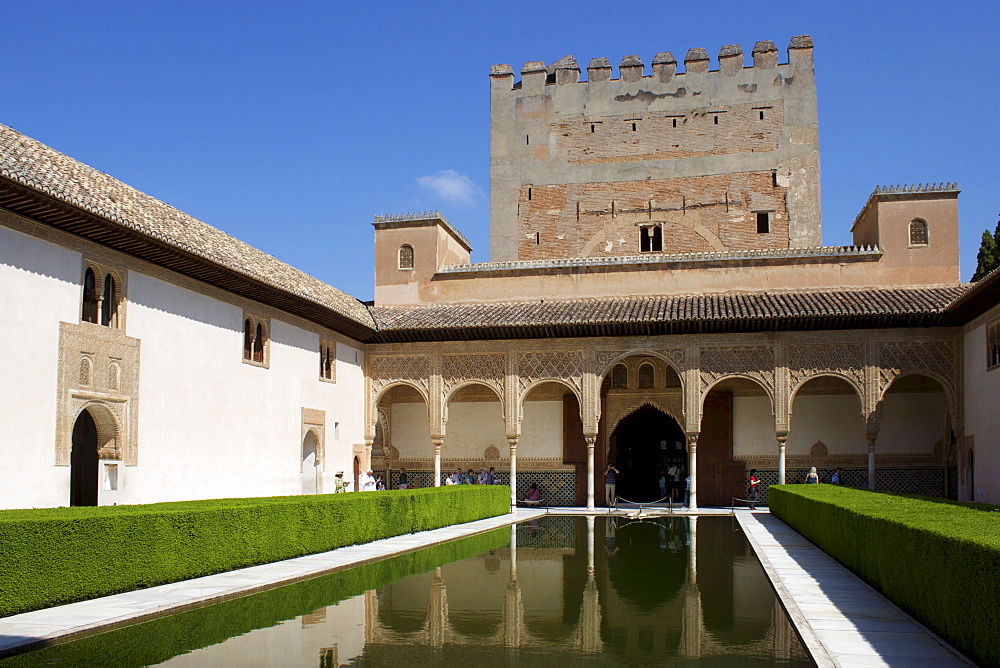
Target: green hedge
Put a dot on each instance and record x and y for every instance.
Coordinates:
(937, 559)
(59, 555)
(158, 640)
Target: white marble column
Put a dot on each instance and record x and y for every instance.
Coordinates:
(871, 462)
(782, 437)
(693, 470)
(438, 441)
(590, 438)
(512, 442)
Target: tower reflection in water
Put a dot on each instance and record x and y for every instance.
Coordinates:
(591, 590)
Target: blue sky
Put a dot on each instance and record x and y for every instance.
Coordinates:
(290, 125)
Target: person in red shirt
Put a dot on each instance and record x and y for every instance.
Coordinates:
(752, 484)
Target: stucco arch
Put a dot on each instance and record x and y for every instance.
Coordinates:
(471, 383)
(396, 383)
(385, 390)
(108, 429)
(735, 376)
(542, 381)
(620, 359)
(851, 382)
(640, 402)
(943, 382)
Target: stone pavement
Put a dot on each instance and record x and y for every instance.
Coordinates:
(841, 620)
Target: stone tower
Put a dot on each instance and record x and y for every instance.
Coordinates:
(698, 160)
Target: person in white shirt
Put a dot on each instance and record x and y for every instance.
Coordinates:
(368, 482)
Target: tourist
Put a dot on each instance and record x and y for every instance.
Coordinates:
(339, 484)
(379, 483)
(687, 491)
(663, 484)
(533, 495)
(493, 476)
(610, 482)
(484, 477)
(752, 484)
(470, 478)
(456, 477)
(838, 477)
(404, 479)
(812, 477)
(674, 477)
(368, 482)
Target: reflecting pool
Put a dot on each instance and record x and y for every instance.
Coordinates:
(581, 590)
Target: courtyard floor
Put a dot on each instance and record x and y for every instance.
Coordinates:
(841, 620)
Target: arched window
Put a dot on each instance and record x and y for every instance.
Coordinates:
(247, 339)
(327, 359)
(109, 302)
(918, 232)
(619, 377)
(646, 376)
(258, 343)
(89, 313)
(406, 256)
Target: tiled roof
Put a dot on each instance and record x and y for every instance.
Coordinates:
(668, 314)
(34, 165)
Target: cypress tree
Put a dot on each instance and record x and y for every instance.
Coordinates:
(989, 254)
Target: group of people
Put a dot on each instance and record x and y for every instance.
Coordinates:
(812, 478)
(669, 483)
(470, 478)
(367, 482)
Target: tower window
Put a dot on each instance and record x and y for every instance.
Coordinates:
(529, 194)
(716, 120)
(993, 346)
(327, 360)
(538, 238)
(675, 122)
(406, 256)
(633, 127)
(761, 114)
(103, 290)
(255, 344)
(918, 232)
(763, 222)
(650, 239)
(591, 127)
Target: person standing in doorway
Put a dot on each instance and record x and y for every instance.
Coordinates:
(752, 483)
(610, 482)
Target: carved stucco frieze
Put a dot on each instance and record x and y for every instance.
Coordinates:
(564, 365)
(898, 358)
(604, 359)
(486, 368)
(756, 362)
(842, 359)
(384, 370)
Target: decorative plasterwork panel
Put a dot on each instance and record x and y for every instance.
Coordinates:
(384, 370)
(842, 359)
(486, 368)
(897, 358)
(551, 365)
(605, 358)
(619, 407)
(755, 362)
(98, 372)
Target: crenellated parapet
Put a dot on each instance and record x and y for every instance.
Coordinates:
(536, 75)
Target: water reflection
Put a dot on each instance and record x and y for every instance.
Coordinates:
(591, 591)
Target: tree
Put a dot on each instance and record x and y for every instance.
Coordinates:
(989, 254)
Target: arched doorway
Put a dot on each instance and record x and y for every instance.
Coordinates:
(644, 443)
(84, 462)
(309, 444)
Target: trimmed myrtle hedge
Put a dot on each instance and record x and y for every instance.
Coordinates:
(59, 555)
(937, 559)
(160, 639)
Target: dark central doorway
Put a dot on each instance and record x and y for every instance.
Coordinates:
(83, 462)
(643, 444)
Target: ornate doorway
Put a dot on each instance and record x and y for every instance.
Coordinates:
(644, 443)
(83, 462)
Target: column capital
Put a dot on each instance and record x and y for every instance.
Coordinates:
(781, 435)
(591, 439)
(512, 440)
(692, 438)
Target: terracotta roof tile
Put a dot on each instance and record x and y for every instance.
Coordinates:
(668, 314)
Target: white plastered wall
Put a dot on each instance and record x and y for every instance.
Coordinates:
(40, 287)
(982, 417)
(212, 426)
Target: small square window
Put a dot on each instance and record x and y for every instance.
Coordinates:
(763, 222)
(650, 239)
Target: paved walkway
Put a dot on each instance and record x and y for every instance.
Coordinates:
(842, 621)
